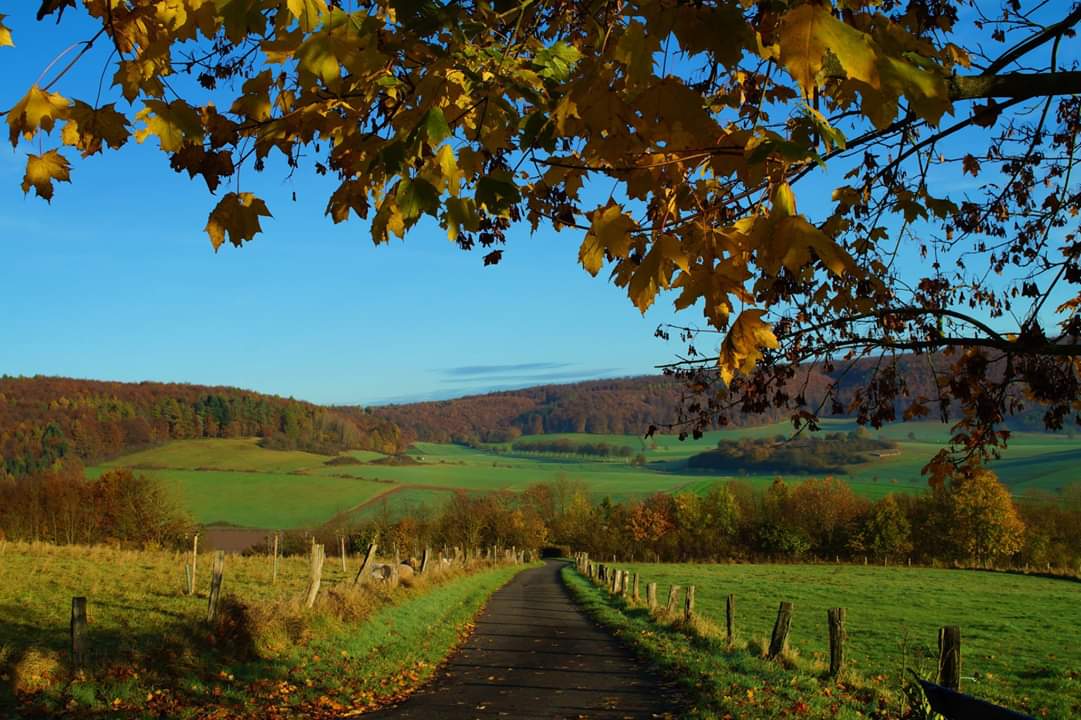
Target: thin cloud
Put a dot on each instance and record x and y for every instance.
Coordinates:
(535, 377)
(499, 384)
(490, 370)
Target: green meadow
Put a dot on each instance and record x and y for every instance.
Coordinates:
(1017, 631)
(235, 481)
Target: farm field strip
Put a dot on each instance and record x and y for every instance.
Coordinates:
(1016, 630)
(264, 500)
(235, 481)
(220, 454)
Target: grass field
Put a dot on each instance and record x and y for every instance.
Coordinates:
(235, 481)
(153, 655)
(264, 499)
(1018, 631)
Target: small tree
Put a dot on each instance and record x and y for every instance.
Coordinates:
(886, 531)
(984, 524)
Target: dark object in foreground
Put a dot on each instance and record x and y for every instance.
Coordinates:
(956, 706)
(78, 632)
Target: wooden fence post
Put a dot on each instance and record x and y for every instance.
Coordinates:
(651, 595)
(274, 571)
(395, 570)
(836, 619)
(778, 643)
(194, 557)
(424, 560)
(673, 599)
(215, 586)
(366, 566)
(730, 619)
(341, 543)
(78, 632)
(949, 657)
(315, 575)
(634, 589)
(688, 605)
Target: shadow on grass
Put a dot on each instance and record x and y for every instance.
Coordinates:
(180, 660)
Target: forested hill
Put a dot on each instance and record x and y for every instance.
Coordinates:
(631, 405)
(625, 405)
(45, 418)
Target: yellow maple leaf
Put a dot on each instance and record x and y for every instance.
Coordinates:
(809, 31)
(635, 50)
(350, 195)
(309, 13)
(171, 123)
(743, 345)
(926, 91)
(87, 128)
(36, 110)
(655, 271)
(5, 34)
(565, 110)
(238, 215)
(610, 230)
(318, 56)
(783, 201)
(461, 214)
(254, 102)
(388, 219)
(796, 237)
(42, 170)
(450, 176)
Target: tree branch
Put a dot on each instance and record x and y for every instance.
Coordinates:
(1051, 31)
(1015, 85)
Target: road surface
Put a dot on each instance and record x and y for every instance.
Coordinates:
(535, 654)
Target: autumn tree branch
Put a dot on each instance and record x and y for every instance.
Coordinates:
(1015, 85)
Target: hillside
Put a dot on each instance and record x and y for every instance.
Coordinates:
(43, 419)
(618, 406)
(630, 405)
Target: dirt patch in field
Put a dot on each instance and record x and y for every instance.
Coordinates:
(232, 539)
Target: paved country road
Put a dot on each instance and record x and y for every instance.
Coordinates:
(535, 654)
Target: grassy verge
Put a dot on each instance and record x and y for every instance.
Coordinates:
(153, 655)
(720, 681)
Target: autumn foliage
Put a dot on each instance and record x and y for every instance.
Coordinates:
(972, 520)
(45, 419)
(61, 505)
(707, 125)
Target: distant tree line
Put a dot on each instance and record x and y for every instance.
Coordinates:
(46, 419)
(813, 454)
(61, 505)
(621, 406)
(566, 446)
(972, 520)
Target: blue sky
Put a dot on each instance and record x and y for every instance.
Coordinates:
(116, 280)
